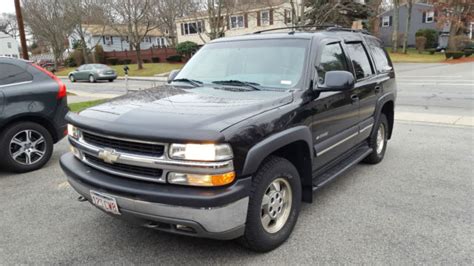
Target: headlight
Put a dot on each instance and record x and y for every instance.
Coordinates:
(73, 131)
(201, 180)
(201, 152)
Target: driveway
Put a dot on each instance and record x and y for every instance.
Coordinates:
(414, 207)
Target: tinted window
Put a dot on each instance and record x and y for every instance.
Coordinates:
(332, 58)
(380, 59)
(13, 74)
(360, 60)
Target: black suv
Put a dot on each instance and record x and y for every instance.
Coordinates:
(245, 132)
(33, 106)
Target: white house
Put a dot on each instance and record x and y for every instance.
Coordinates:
(110, 39)
(8, 46)
(241, 20)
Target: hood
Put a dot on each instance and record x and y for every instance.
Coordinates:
(168, 112)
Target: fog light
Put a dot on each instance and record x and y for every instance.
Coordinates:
(201, 180)
(75, 151)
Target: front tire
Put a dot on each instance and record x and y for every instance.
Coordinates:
(111, 80)
(378, 141)
(26, 146)
(274, 205)
(72, 78)
(92, 79)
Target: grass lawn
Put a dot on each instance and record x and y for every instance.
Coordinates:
(77, 107)
(414, 57)
(148, 71)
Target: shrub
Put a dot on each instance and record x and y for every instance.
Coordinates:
(155, 59)
(146, 61)
(448, 54)
(186, 48)
(174, 58)
(78, 57)
(127, 61)
(461, 42)
(420, 43)
(112, 61)
(468, 52)
(458, 54)
(70, 62)
(431, 50)
(99, 54)
(430, 35)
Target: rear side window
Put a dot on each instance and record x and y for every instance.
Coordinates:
(10, 74)
(360, 60)
(332, 58)
(380, 59)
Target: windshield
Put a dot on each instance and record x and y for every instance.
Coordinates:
(276, 63)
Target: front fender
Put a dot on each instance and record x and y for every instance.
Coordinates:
(261, 150)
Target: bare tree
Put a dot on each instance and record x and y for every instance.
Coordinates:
(8, 24)
(51, 22)
(133, 19)
(167, 12)
(396, 13)
(85, 14)
(408, 25)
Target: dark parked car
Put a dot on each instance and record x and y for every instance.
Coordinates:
(245, 132)
(33, 105)
(92, 73)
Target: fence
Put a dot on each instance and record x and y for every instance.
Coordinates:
(147, 55)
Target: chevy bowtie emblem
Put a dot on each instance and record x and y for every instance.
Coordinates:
(109, 155)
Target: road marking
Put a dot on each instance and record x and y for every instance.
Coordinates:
(403, 76)
(435, 118)
(436, 84)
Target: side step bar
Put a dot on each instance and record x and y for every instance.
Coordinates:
(342, 166)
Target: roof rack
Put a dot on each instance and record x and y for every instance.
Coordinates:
(327, 27)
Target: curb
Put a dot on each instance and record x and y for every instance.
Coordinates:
(159, 79)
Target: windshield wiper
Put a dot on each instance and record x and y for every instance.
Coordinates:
(252, 85)
(195, 83)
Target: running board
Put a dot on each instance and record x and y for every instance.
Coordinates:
(342, 166)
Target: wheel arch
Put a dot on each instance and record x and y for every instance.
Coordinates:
(386, 106)
(33, 119)
(295, 145)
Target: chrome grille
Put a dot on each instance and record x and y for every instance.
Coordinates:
(140, 148)
(125, 168)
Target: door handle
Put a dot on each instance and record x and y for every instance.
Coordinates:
(355, 98)
(378, 89)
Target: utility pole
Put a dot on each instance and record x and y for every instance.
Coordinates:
(21, 29)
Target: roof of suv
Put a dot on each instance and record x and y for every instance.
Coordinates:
(289, 34)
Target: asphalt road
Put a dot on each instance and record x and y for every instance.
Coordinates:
(414, 207)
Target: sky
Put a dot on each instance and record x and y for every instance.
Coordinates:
(7, 6)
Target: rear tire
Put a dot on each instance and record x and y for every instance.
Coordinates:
(25, 147)
(378, 141)
(92, 79)
(272, 213)
(111, 80)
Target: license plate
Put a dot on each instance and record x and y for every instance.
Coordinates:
(105, 202)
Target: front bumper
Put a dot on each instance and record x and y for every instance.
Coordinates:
(218, 213)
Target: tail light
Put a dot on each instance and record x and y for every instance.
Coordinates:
(62, 87)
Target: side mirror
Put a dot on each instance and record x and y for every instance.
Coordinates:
(337, 81)
(173, 75)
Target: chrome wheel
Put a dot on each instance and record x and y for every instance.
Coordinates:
(71, 78)
(27, 147)
(276, 205)
(91, 79)
(380, 138)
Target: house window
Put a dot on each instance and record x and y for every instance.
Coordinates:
(288, 16)
(428, 17)
(192, 28)
(108, 40)
(386, 21)
(9, 44)
(265, 18)
(236, 22)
